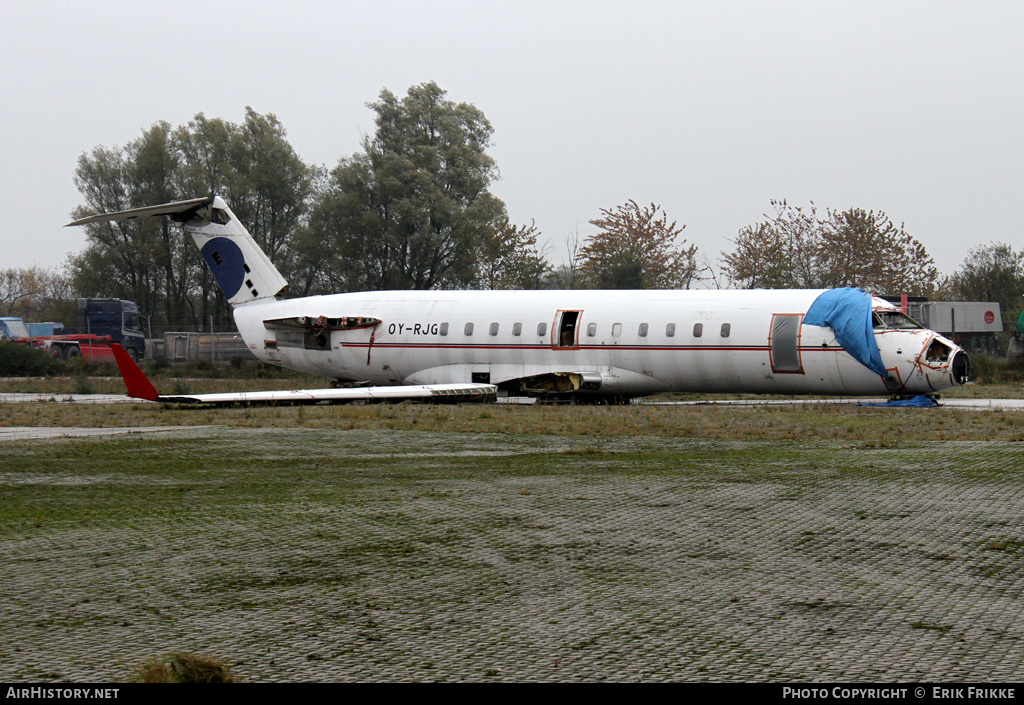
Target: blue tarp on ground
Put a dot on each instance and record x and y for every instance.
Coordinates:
(919, 400)
(847, 311)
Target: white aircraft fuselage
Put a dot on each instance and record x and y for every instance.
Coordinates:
(620, 343)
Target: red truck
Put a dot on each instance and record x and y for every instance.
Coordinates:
(100, 323)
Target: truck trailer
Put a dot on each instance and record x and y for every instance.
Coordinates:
(973, 325)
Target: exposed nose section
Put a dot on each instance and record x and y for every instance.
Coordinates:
(940, 365)
(960, 368)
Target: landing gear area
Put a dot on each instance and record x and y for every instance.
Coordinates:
(563, 388)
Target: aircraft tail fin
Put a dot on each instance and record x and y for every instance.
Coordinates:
(242, 270)
(139, 387)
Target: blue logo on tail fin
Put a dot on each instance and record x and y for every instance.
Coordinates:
(227, 264)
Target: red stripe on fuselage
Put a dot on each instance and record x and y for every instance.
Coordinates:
(483, 346)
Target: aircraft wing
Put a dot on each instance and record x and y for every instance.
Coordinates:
(140, 387)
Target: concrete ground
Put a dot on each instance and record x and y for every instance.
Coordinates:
(21, 433)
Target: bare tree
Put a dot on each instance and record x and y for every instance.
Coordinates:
(797, 248)
(35, 294)
(567, 275)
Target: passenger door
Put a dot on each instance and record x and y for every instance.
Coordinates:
(784, 343)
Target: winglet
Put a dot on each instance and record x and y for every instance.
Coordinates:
(138, 386)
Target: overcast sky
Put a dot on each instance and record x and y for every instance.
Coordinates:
(710, 109)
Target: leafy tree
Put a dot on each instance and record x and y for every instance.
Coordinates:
(410, 210)
(146, 261)
(507, 258)
(799, 249)
(205, 148)
(864, 248)
(267, 184)
(636, 248)
(117, 260)
(153, 164)
(993, 272)
(774, 254)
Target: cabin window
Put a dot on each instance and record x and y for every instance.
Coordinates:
(670, 330)
(542, 329)
(643, 330)
(726, 329)
(698, 330)
(517, 329)
(616, 330)
(591, 330)
(493, 330)
(469, 329)
(444, 328)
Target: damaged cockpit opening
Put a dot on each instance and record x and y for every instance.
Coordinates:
(960, 367)
(937, 352)
(946, 358)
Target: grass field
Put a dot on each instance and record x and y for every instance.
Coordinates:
(882, 427)
(321, 553)
(487, 542)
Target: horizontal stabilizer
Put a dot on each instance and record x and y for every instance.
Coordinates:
(147, 212)
(140, 387)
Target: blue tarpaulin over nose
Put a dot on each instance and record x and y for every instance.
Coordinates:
(847, 311)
